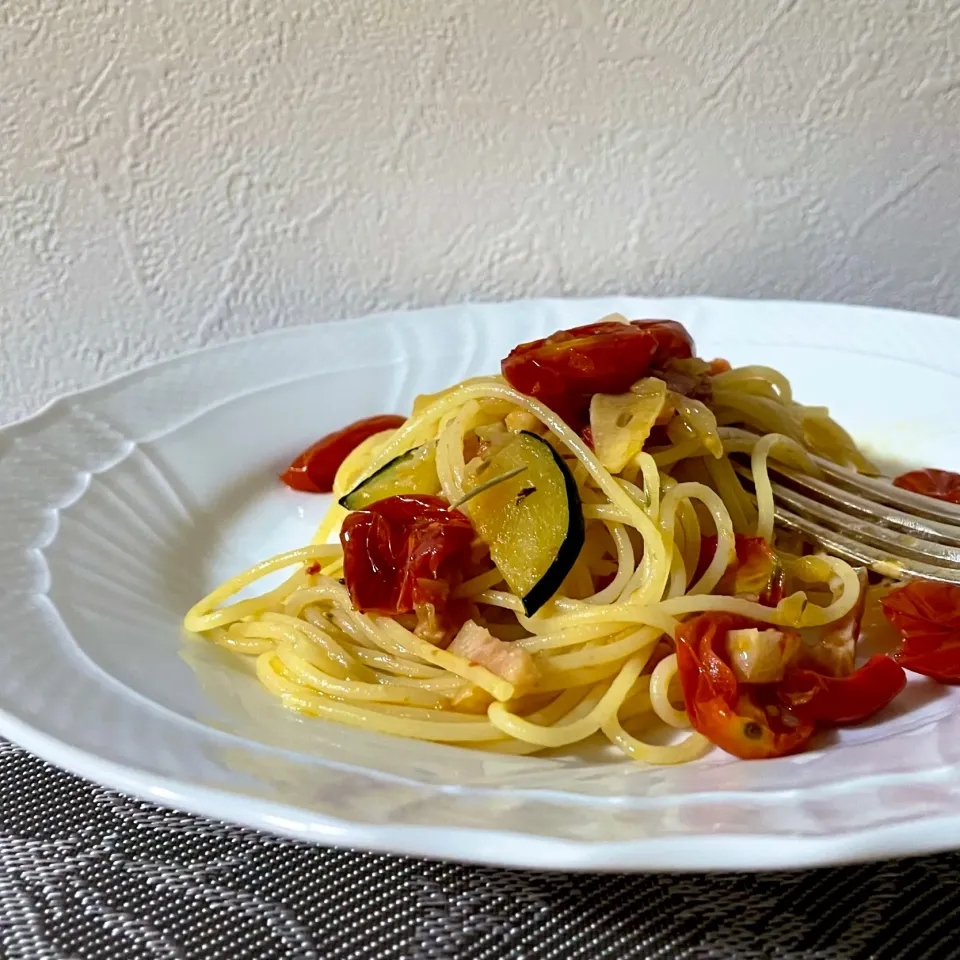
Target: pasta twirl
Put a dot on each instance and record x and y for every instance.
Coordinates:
(517, 655)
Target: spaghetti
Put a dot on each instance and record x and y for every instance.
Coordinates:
(665, 511)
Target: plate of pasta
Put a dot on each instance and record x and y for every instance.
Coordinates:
(505, 583)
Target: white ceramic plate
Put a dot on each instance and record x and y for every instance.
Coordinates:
(120, 506)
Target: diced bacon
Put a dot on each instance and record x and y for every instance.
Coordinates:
(504, 658)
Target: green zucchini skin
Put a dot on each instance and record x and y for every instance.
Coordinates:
(566, 556)
(357, 498)
(572, 544)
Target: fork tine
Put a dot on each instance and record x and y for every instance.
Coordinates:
(880, 491)
(861, 554)
(857, 528)
(882, 526)
(887, 493)
(888, 542)
(853, 503)
(895, 532)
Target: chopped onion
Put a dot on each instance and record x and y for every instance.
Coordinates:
(701, 421)
(620, 423)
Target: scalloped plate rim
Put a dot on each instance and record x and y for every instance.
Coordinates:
(697, 851)
(672, 854)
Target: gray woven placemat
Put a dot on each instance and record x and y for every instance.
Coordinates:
(88, 873)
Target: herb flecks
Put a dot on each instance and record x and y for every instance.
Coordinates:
(486, 485)
(524, 493)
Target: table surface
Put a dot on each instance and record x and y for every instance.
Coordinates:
(88, 873)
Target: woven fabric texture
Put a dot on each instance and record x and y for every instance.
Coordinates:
(87, 873)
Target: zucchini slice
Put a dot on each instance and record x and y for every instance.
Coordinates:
(533, 522)
(412, 472)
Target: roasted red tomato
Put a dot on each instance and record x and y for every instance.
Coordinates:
(404, 552)
(313, 471)
(756, 569)
(746, 720)
(815, 698)
(941, 484)
(566, 369)
(928, 617)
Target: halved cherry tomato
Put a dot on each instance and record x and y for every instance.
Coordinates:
(940, 484)
(404, 552)
(927, 615)
(564, 370)
(313, 470)
(746, 720)
(815, 698)
(755, 570)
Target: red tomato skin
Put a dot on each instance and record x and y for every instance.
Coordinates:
(818, 699)
(927, 615)
(403, 551)
(939, 484)
(565, 369)
(313, 471)
(729, 714)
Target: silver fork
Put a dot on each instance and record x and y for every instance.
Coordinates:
(866, 521)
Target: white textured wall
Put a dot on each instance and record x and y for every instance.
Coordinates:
(174, 172)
